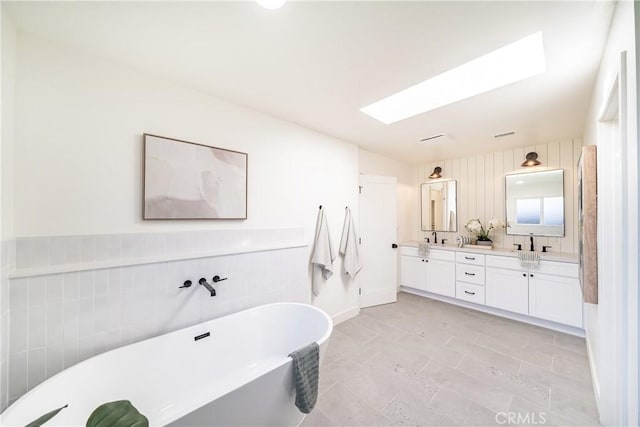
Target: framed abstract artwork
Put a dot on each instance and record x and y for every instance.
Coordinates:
(185, 180)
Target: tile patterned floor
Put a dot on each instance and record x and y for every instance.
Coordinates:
(421, 362)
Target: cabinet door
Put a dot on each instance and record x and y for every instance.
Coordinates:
(555, 298)
(412, 272)
(441, 277)
(507, 290)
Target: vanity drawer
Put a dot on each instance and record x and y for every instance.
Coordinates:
(470, 273)
(408, 250)
(441, 255)
(468, 292)
(470, 258)
(556, 268)
(511, 263)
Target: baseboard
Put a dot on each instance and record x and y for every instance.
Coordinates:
(595, 381)
(345, 315)
(571, 330)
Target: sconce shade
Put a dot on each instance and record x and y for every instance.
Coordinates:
(532, 160)
(436, 173)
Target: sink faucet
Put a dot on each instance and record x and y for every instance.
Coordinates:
(531, 248)
(203, 282)
(435, 237)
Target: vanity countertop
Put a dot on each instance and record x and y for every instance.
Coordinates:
(549, 256)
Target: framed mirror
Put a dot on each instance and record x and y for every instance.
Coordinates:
(438, 206)
(535, 203)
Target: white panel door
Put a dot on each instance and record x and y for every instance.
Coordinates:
(441, 277)
(507, 289)
(378, 232)
(555, 298)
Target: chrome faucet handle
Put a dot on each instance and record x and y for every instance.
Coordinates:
(217, 279)
(544, 248)
(186, 284)
(519, 245)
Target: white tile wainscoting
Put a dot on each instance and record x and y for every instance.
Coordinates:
(71, 298)
(7, 259)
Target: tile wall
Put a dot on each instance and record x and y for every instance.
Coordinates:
(7, 257)
(71, 298)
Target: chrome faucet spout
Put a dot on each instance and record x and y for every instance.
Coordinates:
(435, 237)
(531, 248)
(203, 282)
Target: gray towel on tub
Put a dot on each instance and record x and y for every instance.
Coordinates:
(306, 364)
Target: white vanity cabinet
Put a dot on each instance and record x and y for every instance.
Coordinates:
(470, 277)
(550, 290)
(507, 289)
(434, 273)
(547, 294)
(555, 298)
(412, 272)
(441, 277)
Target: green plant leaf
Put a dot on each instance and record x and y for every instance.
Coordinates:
(120, 413)
(46, 417)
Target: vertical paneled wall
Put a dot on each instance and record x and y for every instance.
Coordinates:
(481, 189)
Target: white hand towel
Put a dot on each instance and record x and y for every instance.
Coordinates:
(528, 259)
(349, 246)
(323, 253)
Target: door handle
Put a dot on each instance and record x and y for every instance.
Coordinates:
(394, 246)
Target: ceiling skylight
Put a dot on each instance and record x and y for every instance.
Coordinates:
(509, 64)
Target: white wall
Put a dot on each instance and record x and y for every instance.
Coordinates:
(78, 155)
(481, 185)
(6, 173)
(612, 324)
(375, 164)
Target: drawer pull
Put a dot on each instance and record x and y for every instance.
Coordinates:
(472, 258)
(469, 274)
(470, 293)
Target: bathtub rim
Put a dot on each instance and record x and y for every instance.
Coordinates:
(200, 402)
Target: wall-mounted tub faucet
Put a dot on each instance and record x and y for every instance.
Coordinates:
(203, 282)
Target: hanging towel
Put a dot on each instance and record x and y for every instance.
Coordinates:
(423, 248)
(349, 246)
(306, 365)
(528, 259)
(323, 253)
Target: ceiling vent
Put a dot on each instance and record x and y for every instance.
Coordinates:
(500, 135)
(441, 137)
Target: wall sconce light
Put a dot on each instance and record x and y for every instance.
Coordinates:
(436, 173)
(532, 160)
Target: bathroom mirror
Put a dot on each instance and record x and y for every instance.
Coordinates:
(535, 203)
(438, 205)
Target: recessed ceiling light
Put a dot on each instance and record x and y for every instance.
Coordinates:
(509, 64)
(271, 4)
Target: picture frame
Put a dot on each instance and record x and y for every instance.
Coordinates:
(187, 180)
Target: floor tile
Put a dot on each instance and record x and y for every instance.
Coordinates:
(422, 362)
(491, 397)
(346, 409)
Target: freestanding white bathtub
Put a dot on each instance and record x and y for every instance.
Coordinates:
(238, 374)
